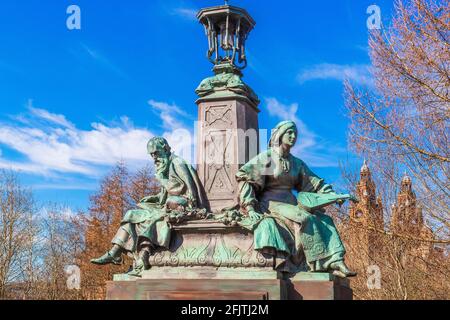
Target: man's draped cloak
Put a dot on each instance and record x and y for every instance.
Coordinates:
(149, 224)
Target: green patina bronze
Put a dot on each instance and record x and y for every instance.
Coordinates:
(278, 228)
(289, 228)
(145, 230)
(226, 82)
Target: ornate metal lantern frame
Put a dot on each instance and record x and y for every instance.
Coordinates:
(227, 28)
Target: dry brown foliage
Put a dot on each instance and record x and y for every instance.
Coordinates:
(402, 124)
(118, 192)
(36, 247)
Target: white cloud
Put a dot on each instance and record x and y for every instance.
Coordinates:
(68, 149)
(54, 118)
(10, 68)
(325, 71)
(89, 186)
(364, 48)
(179, 136)
(310, 147)
(25, 167)
(103, 61)
(289, 112)
(187, 13)
(169, 113)
(50, 144)
(56, 212)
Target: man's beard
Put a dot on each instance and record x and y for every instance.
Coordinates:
(162, 166)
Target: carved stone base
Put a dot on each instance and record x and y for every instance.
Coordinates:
(197, 283)
(207, 283)
(211, 261)
(316, 286)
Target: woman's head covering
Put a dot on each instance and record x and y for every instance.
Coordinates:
(279, 131)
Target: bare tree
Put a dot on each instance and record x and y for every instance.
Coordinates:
(18, 231)
(60, 243)
(402, 124)
(119, 191)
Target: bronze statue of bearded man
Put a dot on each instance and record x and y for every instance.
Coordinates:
(147, 229)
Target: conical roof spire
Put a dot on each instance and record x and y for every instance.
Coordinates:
(406, 179)
(365, 167)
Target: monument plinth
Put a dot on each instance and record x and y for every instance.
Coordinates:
(226, 284)
(265, 238)
(210, 261)
(227, 107)
(227, 138)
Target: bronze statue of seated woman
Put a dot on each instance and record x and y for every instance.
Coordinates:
(290, 228)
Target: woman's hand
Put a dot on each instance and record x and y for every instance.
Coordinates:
(254, 215)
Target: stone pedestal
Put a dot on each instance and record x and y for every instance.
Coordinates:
(227, 139)
(211, 261)
(197, 283)
(206, 283)
(316, 286)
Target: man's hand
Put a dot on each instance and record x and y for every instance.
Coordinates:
(151, 199)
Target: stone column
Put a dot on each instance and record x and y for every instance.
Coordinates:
(227, 133)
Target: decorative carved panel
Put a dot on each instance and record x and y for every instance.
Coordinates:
(222, 148)
(225, 247)
(218, 154)
(219, 116)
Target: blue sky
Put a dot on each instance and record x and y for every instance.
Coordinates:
(74, 102)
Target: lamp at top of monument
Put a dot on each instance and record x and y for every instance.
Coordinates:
(227, 28)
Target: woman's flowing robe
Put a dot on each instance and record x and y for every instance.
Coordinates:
(287, 231)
